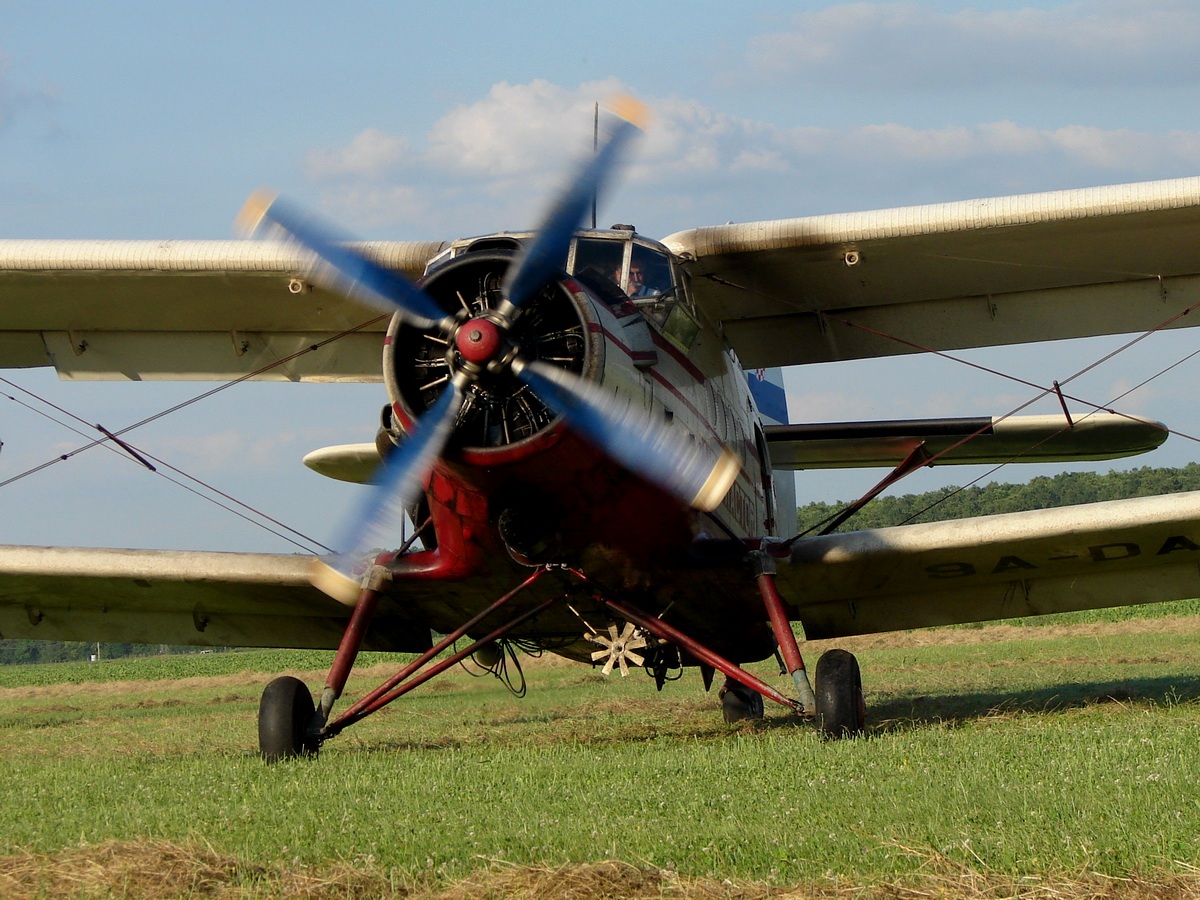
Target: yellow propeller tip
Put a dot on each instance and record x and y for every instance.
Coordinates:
(630, 109)
(252, 213)
(330, 581)
(724, 473)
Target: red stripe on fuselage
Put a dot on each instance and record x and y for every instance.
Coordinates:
(662, 379)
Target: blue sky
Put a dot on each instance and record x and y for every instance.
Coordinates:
(407, 120)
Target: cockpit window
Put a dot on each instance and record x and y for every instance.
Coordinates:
(644, 276)
(649, 274)
(604, 259)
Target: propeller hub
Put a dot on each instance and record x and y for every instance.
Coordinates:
(479, 340)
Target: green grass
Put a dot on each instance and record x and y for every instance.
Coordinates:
(1046, 753)
(1114, 614)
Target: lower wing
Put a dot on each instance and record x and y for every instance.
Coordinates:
(174, 597)
(1117, 553)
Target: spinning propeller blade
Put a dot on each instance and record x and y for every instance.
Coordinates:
(377, 523)
(545, 258)
(665, 456)
(348, 269)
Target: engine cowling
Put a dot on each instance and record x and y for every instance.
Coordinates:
(501, 418)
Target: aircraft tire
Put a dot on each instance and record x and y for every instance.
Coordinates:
(284, 713)
(841, 711)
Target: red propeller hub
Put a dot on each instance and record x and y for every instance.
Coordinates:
(479, 341)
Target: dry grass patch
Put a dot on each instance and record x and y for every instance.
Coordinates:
(149, 686)
(150, 869)
(157, 870)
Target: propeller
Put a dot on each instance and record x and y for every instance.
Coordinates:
(684, 467)
(338, 265)
(674, 461)
(545, 257)
(379, 520)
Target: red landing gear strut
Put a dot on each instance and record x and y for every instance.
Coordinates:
(764, 574)
(411, 675)
(290, 726)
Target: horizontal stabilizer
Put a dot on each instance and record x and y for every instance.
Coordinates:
(846, 445)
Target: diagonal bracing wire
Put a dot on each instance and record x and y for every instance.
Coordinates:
(141, 457)
(113, 437)
(1043, 391)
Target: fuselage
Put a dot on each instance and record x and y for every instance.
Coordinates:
(518, 487)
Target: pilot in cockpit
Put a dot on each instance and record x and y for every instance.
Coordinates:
(636, 287)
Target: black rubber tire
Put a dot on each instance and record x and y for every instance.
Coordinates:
(284, 714)
(841, 711)
(739, 703)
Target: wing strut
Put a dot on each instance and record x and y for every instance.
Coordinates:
(916, 458)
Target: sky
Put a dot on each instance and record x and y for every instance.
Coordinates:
(434, 121)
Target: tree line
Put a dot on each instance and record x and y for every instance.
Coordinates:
(1043, 492)
(15, 652)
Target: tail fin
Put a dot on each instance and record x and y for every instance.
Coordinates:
(766, 386)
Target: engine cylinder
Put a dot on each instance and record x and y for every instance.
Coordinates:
(499, 412)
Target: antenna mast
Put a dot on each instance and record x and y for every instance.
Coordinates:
(595, 146)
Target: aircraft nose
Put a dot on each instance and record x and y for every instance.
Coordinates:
(479, 341)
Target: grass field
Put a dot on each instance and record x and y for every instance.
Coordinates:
(1060, 760)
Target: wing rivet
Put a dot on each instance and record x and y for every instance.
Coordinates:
(295, 286)
(852, 258)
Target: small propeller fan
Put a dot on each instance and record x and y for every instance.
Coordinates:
(684, 467)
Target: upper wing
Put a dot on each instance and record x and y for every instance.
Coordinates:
(187, 310)
(1116, 553)
(970, 274)
(172, 597)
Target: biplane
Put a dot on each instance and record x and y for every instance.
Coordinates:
(587, 435)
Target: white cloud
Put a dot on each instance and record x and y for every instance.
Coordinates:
(372, 204)
(1087, 146)
(810, 405)
(891, 46)
(517, 130)
(491, 164)
(514, 132)
(1104, 149)
(487, 164)
(371, 153)
(759, 160)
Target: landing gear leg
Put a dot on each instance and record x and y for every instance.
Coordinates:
(352, 641)
(288, 722)
(784, 636)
